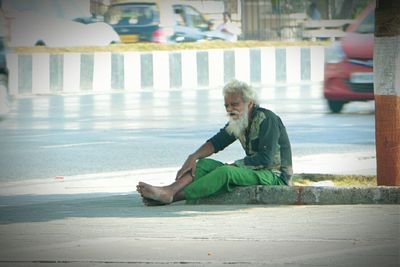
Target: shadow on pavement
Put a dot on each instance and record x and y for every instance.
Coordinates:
(41, 208)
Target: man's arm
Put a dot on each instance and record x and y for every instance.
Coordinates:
(217, 143)
(207, 149)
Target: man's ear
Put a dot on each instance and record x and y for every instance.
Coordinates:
(251, 104)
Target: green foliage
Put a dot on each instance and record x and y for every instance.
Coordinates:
(204, 45)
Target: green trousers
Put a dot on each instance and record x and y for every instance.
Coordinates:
(214, 177)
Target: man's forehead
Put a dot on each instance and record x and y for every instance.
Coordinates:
(233, 97)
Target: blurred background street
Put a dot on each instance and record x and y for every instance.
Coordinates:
(115, 112)
(48, 136)
(96, 95)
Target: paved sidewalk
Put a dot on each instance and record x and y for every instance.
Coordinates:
(96, 220)
(117, 230)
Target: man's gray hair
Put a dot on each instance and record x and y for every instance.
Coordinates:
(248, 93)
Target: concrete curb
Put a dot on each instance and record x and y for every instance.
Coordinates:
(307, 195)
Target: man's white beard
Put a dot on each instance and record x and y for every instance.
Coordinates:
(239, 125)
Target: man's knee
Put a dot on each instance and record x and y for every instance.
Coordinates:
(208, 164)
(203, 162)
(226, 171)
(205, 166)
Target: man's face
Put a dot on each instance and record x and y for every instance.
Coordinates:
(235, 106)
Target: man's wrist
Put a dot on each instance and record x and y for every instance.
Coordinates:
(193, 157)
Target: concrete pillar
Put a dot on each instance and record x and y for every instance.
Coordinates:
(387, 91)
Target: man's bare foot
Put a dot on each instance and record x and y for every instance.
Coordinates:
(151, 192)
(148, 201)
(152, 202)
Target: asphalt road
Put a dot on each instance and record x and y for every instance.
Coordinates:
(48, 136)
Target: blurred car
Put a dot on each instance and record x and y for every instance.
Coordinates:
(158, 21)
(349, 63)
(89, 19)
(5, 105)
(3, 61)
(3, 43)
(4, 97)
(30, 29)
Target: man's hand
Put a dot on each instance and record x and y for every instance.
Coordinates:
(188, 166)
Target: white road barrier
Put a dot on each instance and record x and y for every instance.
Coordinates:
(59, 73)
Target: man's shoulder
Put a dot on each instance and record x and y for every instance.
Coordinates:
(263, 112)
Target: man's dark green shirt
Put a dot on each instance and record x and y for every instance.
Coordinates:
(266, 144)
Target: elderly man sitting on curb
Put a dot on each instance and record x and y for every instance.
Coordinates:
(263, 136)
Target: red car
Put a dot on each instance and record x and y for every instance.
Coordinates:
(349, 64)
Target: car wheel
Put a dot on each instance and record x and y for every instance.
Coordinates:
(336, 106)
(3, 71)
(40, 43)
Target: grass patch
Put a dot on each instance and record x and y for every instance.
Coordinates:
(304, 179)
(203, 45)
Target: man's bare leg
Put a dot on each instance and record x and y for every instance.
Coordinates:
(164, 194)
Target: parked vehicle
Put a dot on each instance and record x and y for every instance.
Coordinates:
(89, 19)
(3, 43)
(30, 29)
(5, 105)
(158, 21)
(3, 60)
(349, 64)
